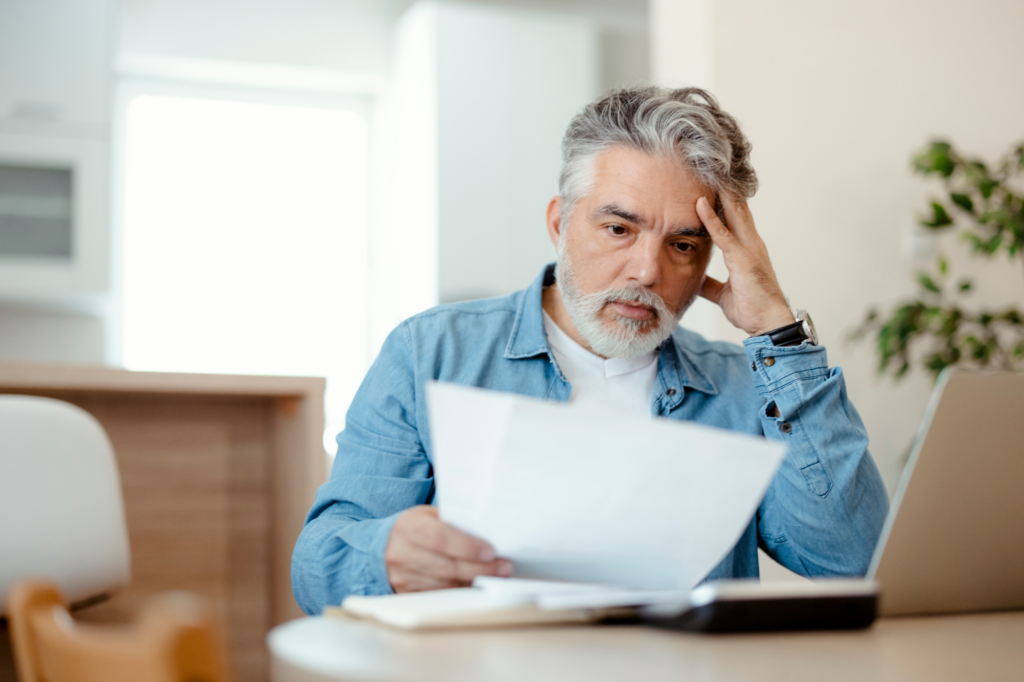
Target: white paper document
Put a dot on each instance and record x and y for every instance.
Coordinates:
(552, 595)
(583, 495)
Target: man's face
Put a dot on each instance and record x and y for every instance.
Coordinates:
(637, 233)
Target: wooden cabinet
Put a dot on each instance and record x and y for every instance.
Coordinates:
(218, 473)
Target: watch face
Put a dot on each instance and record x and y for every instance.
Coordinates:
(808, 327)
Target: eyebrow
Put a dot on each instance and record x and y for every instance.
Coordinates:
(699, 232)
(619, 212)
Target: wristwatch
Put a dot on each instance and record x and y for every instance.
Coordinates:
(796, 333)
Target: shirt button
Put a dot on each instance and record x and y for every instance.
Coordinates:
(768, 362)
(786, 427)
(753, 367)
(670, 391)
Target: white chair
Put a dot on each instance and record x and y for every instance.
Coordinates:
(61, 511)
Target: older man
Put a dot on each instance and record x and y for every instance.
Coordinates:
(651, 179)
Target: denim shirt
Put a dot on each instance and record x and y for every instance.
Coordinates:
(821, 516)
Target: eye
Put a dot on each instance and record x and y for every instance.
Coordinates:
(685, 247)
(617, 230)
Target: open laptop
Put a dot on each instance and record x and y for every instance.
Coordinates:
(954, 538)
(953, 541)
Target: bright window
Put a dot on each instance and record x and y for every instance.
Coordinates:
(245, 241)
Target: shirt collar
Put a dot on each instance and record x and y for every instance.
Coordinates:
(677, 367)
(528, 339)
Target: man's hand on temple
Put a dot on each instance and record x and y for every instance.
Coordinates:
(425, 553)
(751, 299)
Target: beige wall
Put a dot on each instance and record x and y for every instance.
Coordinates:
(835, 97)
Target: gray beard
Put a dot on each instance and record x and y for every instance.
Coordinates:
(625, 337)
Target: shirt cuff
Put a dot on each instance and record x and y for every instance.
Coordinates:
(776, 367)
(370, 537)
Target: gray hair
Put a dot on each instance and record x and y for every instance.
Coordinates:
(686, 123)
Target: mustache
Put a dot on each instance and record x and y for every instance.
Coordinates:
(635, 294)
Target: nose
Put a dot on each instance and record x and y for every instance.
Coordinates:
(644, 266)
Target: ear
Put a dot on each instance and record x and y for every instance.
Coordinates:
(554, 220)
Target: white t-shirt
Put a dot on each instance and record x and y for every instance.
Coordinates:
(612, 384)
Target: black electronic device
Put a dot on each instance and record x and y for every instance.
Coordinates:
(750, 606)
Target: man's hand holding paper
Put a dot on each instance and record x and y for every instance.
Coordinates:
(425, 553)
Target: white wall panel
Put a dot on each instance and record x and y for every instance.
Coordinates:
(508, 84)
(835, 97)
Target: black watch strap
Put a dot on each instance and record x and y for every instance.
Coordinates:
(790, 335)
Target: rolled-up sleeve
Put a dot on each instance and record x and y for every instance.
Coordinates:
(381, 470)
(823, 513)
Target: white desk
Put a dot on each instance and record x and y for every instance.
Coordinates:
(974, 647)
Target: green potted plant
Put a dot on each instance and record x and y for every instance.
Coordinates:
(939, 327)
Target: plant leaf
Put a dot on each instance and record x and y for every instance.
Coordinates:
(940, 217)
(986, 187)
(937, 158)
(992, 245)
(962, 200)
(928, 283)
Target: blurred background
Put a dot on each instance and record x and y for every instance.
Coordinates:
(270, 186)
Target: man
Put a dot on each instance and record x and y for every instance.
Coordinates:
(651, 180)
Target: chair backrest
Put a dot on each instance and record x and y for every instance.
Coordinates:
(175, 639)
(61, 509)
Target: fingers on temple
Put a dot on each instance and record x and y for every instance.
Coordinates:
(720, 234)
(737, 215)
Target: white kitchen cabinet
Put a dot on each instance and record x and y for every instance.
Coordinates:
(49, 265)
(55, 84)
(55, 66)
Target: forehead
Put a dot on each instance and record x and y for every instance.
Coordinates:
(648, 183)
